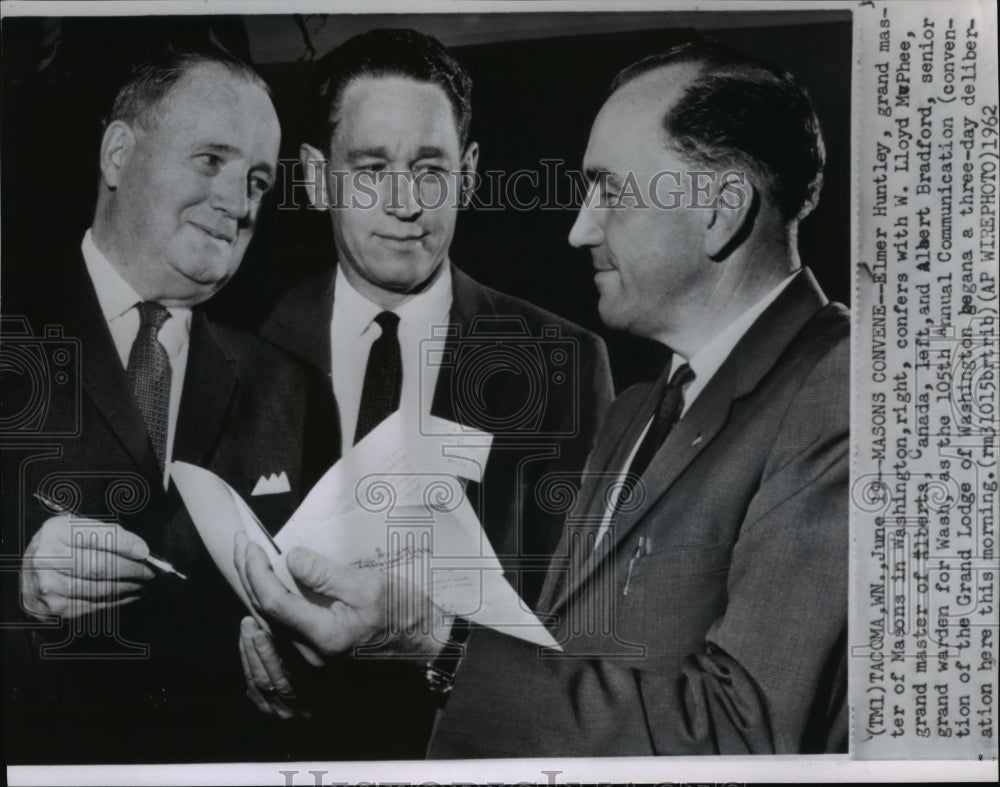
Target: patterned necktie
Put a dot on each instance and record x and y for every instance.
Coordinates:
(667, 414)
(383, 377)
(149, 373)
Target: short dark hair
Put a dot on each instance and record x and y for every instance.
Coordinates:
(152, 80)
(383, 53)
(743, 113)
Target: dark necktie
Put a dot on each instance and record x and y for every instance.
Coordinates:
(149, 373)
(667, 414)
(383, 378)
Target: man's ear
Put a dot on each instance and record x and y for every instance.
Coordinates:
(470, 160)
(732, 215)
(314, 168)
(116, 146)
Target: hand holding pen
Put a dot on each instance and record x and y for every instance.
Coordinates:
(74, 566)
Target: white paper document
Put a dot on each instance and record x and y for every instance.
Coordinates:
(219, 513)
(397, 502)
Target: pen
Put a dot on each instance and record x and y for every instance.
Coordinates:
(156, 562)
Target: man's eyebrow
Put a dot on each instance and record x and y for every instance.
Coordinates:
(429, 151)
(265, 166)
(426, 151)
(355, 154)
(222, 149)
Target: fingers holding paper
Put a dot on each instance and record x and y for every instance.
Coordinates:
(348, 607)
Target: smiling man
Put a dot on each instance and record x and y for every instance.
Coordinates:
(395, 323)
(723, 559)
(115, 659)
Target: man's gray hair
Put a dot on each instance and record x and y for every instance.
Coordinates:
(152, 80)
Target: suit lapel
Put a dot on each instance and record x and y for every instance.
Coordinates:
(686, 440)
(466, 301)
(209, 385)
(105, 381)
(297, 326)
(469, 301)
(754, 355)
(607, 459)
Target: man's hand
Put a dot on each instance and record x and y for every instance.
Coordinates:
(268, 683)
(102, 569)
(366, 607)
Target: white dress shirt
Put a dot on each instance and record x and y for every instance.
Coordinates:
(704, 363)
(119, 305)
(353, 330)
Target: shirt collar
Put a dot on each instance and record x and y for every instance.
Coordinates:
(430, 306)
(355, 312)
(706, 362)
(115, 295)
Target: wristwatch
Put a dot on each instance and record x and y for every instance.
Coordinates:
(440, 673)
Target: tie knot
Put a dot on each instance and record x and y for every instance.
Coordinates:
(682, 376)
(388, 322)
(152, 314)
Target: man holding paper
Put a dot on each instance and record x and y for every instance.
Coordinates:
(700, 595)
(395, 323)
(120, 612)
(398, 326)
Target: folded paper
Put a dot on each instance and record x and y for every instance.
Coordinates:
(395, 502)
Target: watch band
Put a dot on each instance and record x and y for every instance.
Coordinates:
(440, 673)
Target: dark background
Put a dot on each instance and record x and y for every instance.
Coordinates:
(539, 81)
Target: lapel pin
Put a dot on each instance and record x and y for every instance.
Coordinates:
(696, 440)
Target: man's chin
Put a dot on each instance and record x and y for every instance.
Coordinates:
(408, 277)
(197, 283)
(612, 316)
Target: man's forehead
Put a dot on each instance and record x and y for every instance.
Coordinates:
(636, 110)
(210, 104)
(393, 102)
(364, 85)
(209, 86)
(203, 79)
(655, 91)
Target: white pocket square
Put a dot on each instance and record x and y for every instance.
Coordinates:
(274, 484)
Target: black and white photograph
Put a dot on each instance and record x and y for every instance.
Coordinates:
(501, 383)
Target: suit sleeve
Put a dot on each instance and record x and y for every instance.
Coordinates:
(753, 687)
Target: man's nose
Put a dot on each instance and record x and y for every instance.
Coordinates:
(587, 230)
(403, 201)
(230, 195)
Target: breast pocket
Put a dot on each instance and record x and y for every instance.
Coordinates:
(679, 593)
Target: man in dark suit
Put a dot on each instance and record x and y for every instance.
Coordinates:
(389, 157)
(700, 588)
(721, 575)
(111, 656)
